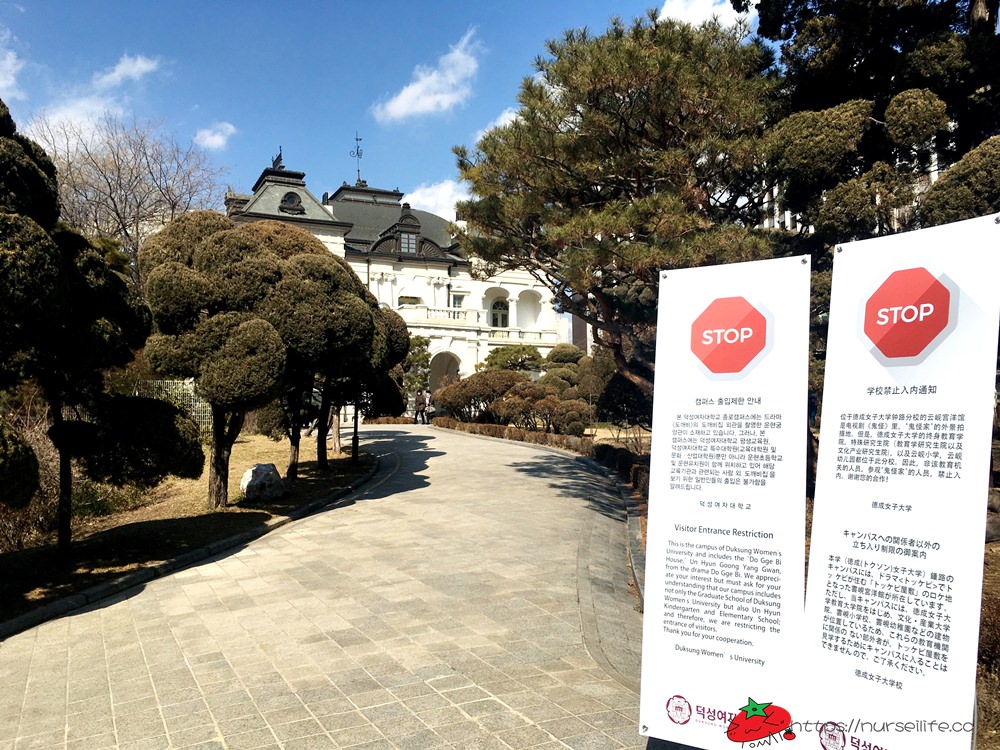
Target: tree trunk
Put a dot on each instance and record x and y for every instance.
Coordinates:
(293, 413)
(983, 16)
(322, 426)
(226, 428)
(335, 446)
(64, 512)
(297, 404)
(812, 457)
(354, 438)
(294, 438)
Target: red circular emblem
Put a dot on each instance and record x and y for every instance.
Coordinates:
(907, 312)
(728, 335)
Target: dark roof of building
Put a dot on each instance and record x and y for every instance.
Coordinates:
(282, 195)
(370, 216)
(373, 212)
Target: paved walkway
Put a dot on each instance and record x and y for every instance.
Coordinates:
(488, 608)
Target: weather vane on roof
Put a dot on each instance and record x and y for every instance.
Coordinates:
(357, 153)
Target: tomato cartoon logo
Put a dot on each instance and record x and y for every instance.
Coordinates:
(908, 315)
(729, 335)
(758, 721)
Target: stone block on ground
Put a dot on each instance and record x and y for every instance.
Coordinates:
(262, 482)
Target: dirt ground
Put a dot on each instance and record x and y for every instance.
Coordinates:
(175, 519)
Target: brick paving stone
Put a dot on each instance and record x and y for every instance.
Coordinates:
(444, 608)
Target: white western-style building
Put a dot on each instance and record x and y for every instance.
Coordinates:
(413, 264)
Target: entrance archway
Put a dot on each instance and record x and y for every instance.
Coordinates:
(444, 369)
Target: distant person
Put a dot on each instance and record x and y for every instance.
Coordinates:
(430, 406)
(420, 408)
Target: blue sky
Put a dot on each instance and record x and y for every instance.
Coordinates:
(412, 79)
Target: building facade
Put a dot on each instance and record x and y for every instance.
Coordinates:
(413, 264)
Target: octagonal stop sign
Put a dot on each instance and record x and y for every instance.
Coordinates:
(728, 335)
(907, 312)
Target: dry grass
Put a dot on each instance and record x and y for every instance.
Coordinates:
(175, 520)
(988, 677)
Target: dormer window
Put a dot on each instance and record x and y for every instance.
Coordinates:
(408, 243)
(291, 203)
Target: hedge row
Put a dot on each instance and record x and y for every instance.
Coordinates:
(630, 467)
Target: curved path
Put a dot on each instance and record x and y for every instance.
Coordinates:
(475, 595)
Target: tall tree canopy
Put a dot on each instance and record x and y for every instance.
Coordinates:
(660, 145)
(513, 357)
(216, 291)
(67, 317)
(878, 97)
(257, 311)
(320, 311)
(632, 152)
(833, 51)
(417, 365)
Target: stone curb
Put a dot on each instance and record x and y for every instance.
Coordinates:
(68, 604)
(635, 553)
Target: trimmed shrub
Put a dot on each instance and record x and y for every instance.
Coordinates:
(514, 433)
(572, 417)
(551, 380)
(623, 404)
(565, 353)
(92, 499)
(18, 468)
(620, 459)
(470, 399)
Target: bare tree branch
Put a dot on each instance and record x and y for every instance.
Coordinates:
(125, 178)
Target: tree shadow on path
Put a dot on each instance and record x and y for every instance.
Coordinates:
(402, 456)
(573, 478)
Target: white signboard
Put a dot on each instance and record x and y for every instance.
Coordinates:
(895, 569)
(725, 538)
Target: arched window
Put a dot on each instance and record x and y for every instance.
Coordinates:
(500, 314)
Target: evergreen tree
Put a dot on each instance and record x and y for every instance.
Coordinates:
(633, 152)
(67, 317)
(521, 357)
(208, 283)
(417, 366)
(879, 97)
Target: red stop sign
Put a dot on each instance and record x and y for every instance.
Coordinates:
(907, 313)
(728, 335)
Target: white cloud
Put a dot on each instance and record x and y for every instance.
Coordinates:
(439, 198)
(215, 137)
(80, 113)
(83, 106)
(504, 118)
(436, 89)
(10, 67)
(698, 11)
(127, 69)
